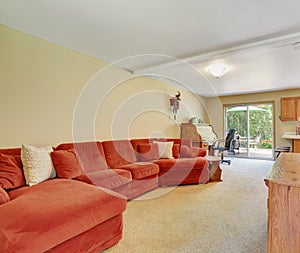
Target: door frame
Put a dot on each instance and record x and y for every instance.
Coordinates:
(273, 124)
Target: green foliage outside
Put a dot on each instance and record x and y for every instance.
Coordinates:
(260, 122)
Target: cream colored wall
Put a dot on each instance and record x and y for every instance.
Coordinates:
(43, 91)
(141, 107)
(215, 112)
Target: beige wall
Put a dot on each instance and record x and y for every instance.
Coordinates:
(215, 111)
(51, 94)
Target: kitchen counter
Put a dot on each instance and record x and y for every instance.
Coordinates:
(295, 140)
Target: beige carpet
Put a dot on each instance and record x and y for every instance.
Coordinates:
(225, 217)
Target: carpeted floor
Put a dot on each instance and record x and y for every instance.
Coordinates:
(223, 217)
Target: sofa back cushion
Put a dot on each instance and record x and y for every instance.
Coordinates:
(118, 153)
(186, 152)
(10, 151)
(11, 171)
(175, 149)
(136, 142)
(66, 163)
(180, 141)
(90, 155)
(148, 152)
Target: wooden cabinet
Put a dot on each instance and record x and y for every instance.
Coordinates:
(290, 108)
(283, 182)
(296, 145)
(202, 135)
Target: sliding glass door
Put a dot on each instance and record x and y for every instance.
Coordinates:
(254, 129)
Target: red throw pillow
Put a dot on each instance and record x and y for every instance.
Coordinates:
(66, 164)
(175, 150)
(3, 196)
(11, 172)
(148, 152)
(186, 152)
(198, 152)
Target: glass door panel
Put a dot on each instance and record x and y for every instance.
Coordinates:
(237, 118)
(254, 128)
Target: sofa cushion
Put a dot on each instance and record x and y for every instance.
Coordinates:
(4, 197)
(165, 149)
(141, 169)
(14, 193)
(180, 141)
(110, 178)
(136, 142)
(66, 164)
(182, 164)
(90, 155)
(11, 173)
(148, 152)
(11, 151)
(37, 164)
(186, 152)
(56, 210)
(198, 152)
(118, 153)
(176, 150)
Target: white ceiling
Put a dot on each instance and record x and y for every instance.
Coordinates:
(177, 39)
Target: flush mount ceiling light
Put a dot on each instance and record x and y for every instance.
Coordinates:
(217, 70)
(296, 45)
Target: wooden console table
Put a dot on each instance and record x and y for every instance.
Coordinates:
(283, 181)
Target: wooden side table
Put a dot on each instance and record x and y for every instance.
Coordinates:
(215, 171)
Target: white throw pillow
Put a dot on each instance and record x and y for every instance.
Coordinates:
(165, 149)
(37, 164)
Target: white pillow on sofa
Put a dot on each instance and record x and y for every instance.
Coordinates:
(165, 149)
(37, 164)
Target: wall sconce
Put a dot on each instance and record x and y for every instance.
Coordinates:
(217, 70)
(174, 104)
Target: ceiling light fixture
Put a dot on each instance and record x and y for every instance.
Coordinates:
(296, 45)
(217, 70)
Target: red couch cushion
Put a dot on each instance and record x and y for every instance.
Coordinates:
(118, 153)
(180, 141)
(186, 152)
(189, 152)
(182, 164)
(148, 152)
(176, 150)
(200, 152)
(11, 172)
(3, 196)
(66, 164)
(11, 151)
(90, 155)
(141, 170)
(54, 211)
(136, 142)
(110, 178)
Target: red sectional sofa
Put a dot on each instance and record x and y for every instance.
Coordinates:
(81, 209)
(56, 215)
(187, 167)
